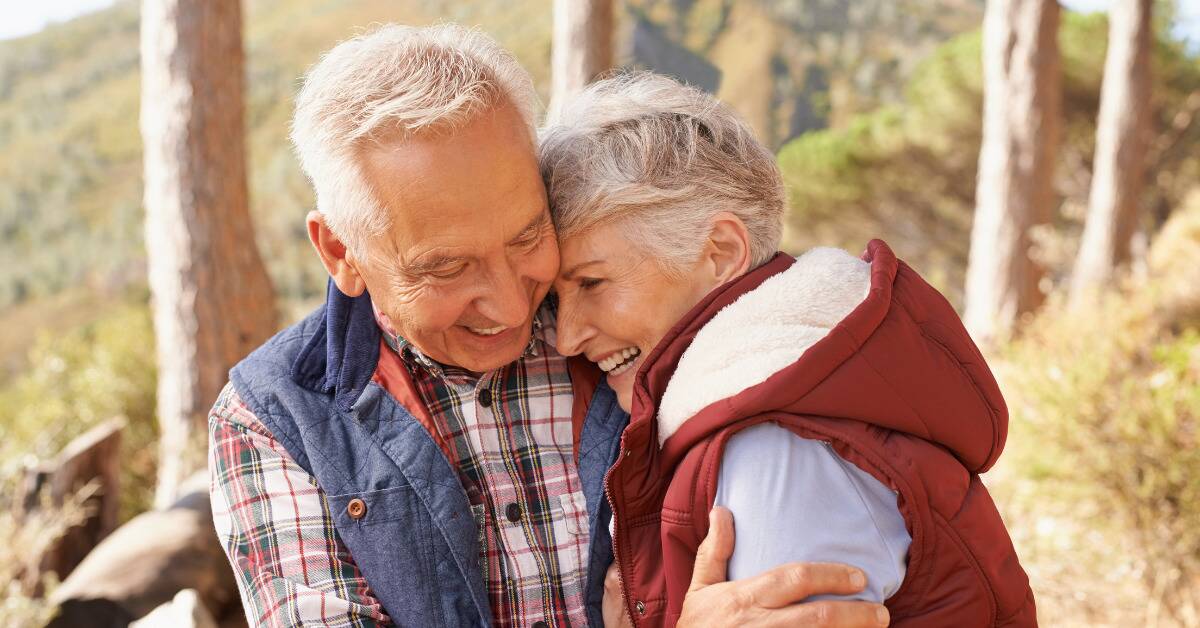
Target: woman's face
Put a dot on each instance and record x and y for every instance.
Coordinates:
(615, 303)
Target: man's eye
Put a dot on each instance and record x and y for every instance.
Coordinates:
(588, 283)
(448, 273)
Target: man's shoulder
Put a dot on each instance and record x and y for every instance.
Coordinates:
(293, 337)
(276, 356)
(231, 412)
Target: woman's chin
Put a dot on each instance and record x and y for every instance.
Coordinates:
(625, 400)
(622, 384)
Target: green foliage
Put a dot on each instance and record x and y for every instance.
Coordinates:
(1104, 453)
(907, 173)
(79, 377)
(70, 149)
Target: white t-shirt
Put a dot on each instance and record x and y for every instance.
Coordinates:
(795, 499)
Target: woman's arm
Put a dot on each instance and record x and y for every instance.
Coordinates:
(794, 499)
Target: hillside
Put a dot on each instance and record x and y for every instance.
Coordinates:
(792, 67)
(70, 202)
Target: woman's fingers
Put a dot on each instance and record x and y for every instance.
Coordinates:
(612, 580)
(613, 607)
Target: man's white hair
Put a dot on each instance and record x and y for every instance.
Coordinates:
(394, 82)
(663, 158)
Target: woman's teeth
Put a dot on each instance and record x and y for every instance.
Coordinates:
(489, 331)
(620, 361)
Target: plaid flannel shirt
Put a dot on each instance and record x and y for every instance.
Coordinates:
(510, 432)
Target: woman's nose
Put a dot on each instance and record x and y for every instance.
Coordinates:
(572, 330)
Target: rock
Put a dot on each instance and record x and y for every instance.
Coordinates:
(146, 562)
(185, 610)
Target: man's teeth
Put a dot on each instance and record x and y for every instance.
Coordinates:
(488, 331)
(620, 361)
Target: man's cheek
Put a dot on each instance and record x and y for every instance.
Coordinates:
(542, 265)
(410, 295)
(443, 315)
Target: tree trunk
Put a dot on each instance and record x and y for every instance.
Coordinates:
(213, 301)
(1121, 139)
(582, 47)
(1021, 110)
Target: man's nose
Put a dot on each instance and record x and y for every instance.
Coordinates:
(572, 329)
(506, 299)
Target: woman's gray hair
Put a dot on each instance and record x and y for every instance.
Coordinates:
(664, 158)
(395, 82)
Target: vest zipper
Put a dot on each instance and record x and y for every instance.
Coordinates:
(616, 556)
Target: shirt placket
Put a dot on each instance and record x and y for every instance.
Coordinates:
(527, 565)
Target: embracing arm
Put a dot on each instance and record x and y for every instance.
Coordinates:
(805, 591)
(275, 526)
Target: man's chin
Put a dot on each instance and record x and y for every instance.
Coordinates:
(486, 353)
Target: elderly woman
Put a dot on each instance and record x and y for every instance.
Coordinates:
(835, 405)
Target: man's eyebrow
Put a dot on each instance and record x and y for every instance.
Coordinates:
(537, 224)
(569, 274)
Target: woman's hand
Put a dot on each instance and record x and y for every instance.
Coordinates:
(613, 608)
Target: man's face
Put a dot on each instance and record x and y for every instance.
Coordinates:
(471, 251)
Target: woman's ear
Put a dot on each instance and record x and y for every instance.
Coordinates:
(727, 252)
(334, 256)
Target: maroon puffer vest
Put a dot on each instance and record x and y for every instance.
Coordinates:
(898, 389)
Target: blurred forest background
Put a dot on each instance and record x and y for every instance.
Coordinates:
(876, 109)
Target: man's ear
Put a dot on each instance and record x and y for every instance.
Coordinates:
(334, 256)
(727, 253)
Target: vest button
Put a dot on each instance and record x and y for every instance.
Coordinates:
(485, 398)
(513, 512)
(356, 508)
(641, 607)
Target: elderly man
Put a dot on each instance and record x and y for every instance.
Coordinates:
(416, 451)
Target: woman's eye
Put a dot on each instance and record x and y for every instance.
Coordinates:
(588, 283)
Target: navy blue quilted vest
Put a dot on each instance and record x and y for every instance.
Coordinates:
(417, 544)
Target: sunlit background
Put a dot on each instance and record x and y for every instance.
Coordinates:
(874, 109)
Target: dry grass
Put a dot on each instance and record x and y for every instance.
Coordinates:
(1101, 482)
(27, 536)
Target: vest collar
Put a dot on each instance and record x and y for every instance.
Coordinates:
(341, 355)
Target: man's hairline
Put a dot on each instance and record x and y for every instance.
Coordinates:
(354, 160)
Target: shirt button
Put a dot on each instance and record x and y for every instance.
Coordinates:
(540, 624)
(356, 509)
(513, 512)
(485, 398)
(641, 607)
